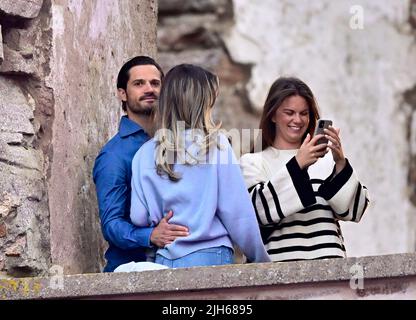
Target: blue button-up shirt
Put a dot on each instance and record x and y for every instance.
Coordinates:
(112, 177)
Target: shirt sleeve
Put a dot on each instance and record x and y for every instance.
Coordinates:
(235, 209)
(286, 193)
(345, 194)
(110, 177)
(138, 211)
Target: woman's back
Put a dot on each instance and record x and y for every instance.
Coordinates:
(210, 199)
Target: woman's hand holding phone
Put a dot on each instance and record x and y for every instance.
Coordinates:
(332, 134)
(326, 138)
(309, 152)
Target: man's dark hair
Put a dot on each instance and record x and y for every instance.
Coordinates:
(124, 73)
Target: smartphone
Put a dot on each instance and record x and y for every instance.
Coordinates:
(320, 126)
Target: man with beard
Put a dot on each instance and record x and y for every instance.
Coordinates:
(138, 84)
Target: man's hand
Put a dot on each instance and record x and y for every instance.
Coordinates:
(165, 233)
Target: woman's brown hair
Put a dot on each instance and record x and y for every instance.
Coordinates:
(281, 89)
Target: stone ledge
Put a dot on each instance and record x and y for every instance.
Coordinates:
(393, 275)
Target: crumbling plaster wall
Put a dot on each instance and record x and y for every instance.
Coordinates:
(58, 107)
(360, 76)
(364, 79)
(192, 32)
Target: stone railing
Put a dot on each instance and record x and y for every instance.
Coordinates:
(374, 277)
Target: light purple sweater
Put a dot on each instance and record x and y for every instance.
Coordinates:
(211, 200)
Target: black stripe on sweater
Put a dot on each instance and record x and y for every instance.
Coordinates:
(304, 235)
(366, 204)
(253, 200)
(367, 201)
(356, 202)
(340, 234)
(318, 258)
(343, 215)
(264, 203)
(332, 185)
(266, 232)
(301, 181)
(305, 248)
(276, 200)
(317, 181)
(316, 207)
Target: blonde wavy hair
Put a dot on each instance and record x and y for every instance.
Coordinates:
(187, 97)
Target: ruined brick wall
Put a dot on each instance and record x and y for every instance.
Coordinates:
(58, 63)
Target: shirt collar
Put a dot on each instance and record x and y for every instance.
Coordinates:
(128, 127)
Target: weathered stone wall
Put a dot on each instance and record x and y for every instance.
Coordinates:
(1, 47)
(25, 110)
(92, 39)
(360, 77)
(192, 32)
(59, 63)
(364, 79)
(410, 100)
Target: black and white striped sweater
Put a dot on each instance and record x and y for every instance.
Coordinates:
(298, 210)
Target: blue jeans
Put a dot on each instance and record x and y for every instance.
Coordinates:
(204, 257)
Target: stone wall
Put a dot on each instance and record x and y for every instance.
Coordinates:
(364, 79)
(410, 101)
(92, 39)
(25, 111)
(59, 61)
(193, 32)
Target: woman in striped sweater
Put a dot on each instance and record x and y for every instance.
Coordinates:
(298, 188)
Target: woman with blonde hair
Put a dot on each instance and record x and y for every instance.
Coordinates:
(189, 168)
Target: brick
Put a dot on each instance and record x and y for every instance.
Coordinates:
(3, 230)
(21, 8)
(16, 249)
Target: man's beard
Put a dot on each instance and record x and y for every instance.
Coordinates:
(141, 109)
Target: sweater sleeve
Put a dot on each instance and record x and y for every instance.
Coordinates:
(347, 197)
(286, 193)
(235, 209)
